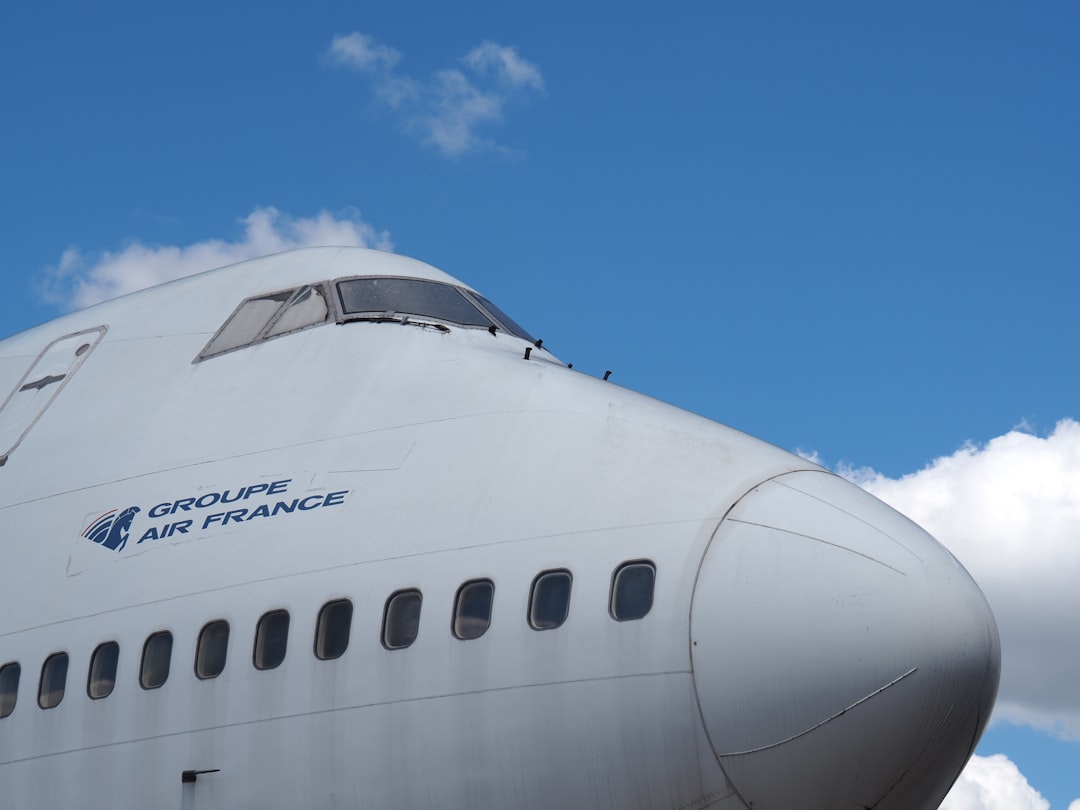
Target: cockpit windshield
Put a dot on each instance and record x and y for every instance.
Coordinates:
(365, 298)
(387, 297)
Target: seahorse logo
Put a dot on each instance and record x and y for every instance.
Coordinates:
(111, 529)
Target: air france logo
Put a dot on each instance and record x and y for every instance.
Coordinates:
(206, 512)
(111, 529)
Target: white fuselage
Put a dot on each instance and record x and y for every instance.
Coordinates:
(358, 459)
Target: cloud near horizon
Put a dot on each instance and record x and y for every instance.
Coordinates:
(447, 110)
(995, 783)
(1010, 512)
(78, 281)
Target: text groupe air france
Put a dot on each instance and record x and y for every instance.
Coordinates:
(239, 514)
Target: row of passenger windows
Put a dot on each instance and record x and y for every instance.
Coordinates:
(631, 598)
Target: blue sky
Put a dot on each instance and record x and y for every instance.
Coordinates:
(851, 229)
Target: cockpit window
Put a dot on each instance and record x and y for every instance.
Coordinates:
(307, 307)
(267, 316)
(365, 298)
(504, 320)
(397, 297)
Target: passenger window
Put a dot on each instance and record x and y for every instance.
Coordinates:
(472, 608)
(156, 658)
(102, 677)
(9, 687)
(401, 621)
(212, 649)
(271, 639)
(332, 629)
(53, 680)
(549, 602)
(632, 590)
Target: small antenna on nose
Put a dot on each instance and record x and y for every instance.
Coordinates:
(492, 329)
(607, 374)
(528, 351)
(539, 342)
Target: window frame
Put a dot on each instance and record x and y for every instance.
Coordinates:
(7, 667)
(258, 635)
(456, 617)
(619, 569)
(264, 334)
(144, 671)
(200, 645)
(531, 614)
(390, 600)
(503, 323)
(91, 672)
(319, 626)
(45, 669)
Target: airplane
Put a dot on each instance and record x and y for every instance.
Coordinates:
(328, 529)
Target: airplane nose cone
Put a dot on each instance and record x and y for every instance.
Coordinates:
(842, 657)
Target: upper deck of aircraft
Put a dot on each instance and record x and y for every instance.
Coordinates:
(338, 426)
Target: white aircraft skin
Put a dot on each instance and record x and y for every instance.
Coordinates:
(806, 647)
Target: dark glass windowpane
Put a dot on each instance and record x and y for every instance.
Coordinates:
(9, 687)
(213, 649)
(408, 296)
(332, 629)
(472, 610)
(53, 680)
(505, 320)
(632, 591)
(550, 601)
(102, 677)
(156, 659)
(271, 639)
(401, 623)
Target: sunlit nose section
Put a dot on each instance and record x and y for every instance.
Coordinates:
(842, 657)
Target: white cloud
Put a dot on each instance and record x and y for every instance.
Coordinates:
(506, 64)
(1010, 511)
(447, 110)
(994, 783)
(78, 281)
(362, 52)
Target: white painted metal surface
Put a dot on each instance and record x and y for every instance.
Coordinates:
(811, 649)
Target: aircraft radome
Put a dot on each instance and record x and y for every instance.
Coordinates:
(327, 529)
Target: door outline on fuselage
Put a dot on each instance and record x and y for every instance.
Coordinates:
(51, 370)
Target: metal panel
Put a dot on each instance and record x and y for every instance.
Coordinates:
(41, 384)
